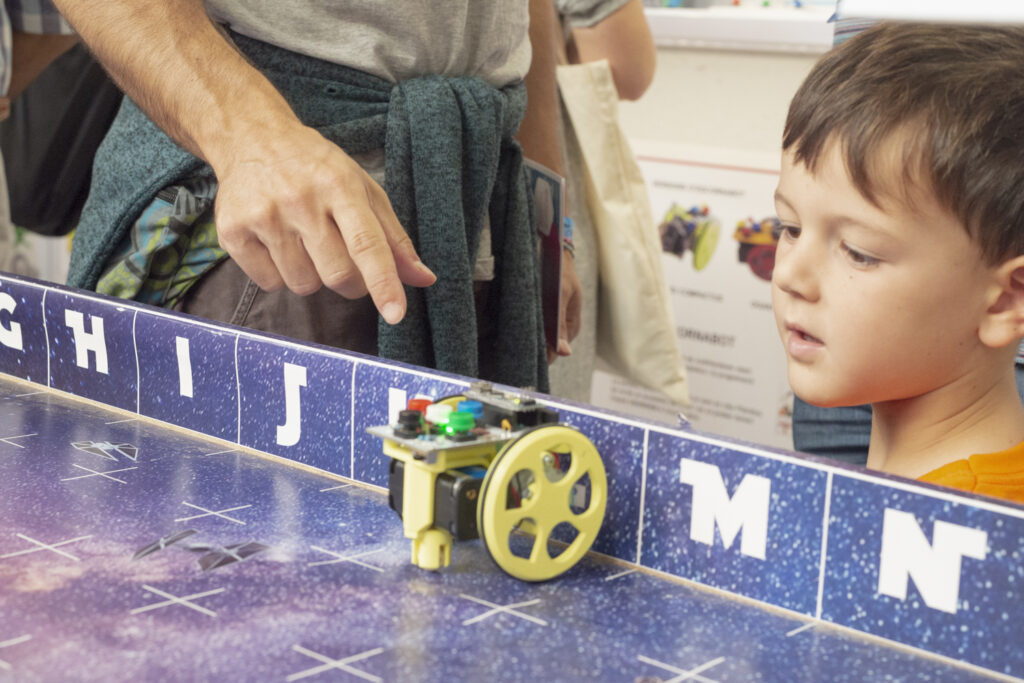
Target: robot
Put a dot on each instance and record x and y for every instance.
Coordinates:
(499, 467)
(758, 241)
(690, 229)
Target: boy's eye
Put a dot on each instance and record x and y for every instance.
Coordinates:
(858, 257)
(790, 231)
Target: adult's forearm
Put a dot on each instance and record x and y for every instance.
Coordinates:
(539, 132)
(624, 39)
(177, 66)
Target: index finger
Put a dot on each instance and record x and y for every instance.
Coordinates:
(368, 248)
(411, 270)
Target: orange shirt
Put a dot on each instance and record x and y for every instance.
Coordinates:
(1000, 475)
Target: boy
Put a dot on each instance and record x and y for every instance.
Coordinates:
(899, 276)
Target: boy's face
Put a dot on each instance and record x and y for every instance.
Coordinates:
(872, 304)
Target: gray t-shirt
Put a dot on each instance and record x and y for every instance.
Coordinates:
(402, 39)
(393, 40)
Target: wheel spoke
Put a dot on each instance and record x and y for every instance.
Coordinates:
(574, 473)
(540, 544)
(589, 519)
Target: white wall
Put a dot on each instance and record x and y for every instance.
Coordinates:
(717, 98)
(725, 74)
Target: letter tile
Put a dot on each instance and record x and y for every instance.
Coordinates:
(296, 402)
(929, 570)
(736, 520)
(92, 348)
(22, 333)
(187, 374)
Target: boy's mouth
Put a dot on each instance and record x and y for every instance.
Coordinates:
(808, 338)
(802, 334)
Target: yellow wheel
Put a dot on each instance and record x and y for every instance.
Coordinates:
(542, 502)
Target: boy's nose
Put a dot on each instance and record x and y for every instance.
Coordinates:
(796, 270)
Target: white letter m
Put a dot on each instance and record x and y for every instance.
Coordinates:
(746, 510)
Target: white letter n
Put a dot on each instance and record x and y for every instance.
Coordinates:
(935, 568)
(747, 509)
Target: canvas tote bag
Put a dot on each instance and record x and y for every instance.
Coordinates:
(636, 334)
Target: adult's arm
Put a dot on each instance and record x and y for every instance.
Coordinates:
(538, 133)
(292, 208)
(624, 39)
(539, 137)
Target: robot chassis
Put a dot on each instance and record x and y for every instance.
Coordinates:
(499, 467)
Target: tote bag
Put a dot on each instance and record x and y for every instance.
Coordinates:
(636, 334)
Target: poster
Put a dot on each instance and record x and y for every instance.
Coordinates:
(715, 219)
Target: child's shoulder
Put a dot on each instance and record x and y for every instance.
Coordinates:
(999, 474)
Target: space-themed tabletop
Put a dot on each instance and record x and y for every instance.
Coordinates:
(133, 551)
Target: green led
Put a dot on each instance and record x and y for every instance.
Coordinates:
(460, 422)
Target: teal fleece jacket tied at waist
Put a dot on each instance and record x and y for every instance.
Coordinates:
(451, 159)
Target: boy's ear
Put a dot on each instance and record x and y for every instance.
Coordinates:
(1003, 322)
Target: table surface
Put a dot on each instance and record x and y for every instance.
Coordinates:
(324, 589)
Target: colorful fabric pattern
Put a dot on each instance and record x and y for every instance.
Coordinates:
(171, 245)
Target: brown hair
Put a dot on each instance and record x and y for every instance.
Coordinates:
(952, 95)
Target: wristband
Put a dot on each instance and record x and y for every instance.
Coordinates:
(567, 244)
